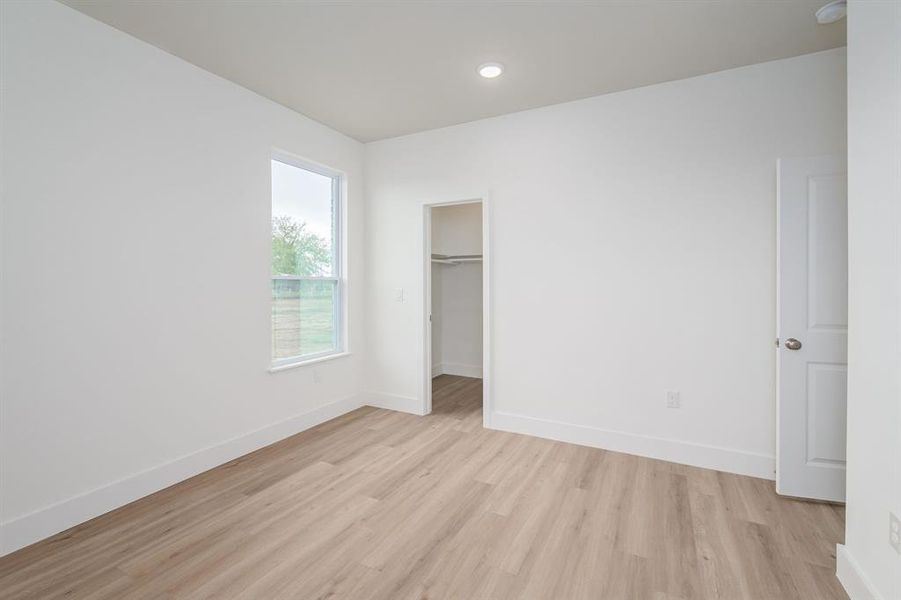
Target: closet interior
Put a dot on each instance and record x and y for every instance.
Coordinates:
(456, 233)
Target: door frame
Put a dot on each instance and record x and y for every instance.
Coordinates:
(425, 325)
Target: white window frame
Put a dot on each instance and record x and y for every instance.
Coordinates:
(338, 245)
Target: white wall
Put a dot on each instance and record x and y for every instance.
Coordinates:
(135, 270)
(633, 252)
(457, 291)
(867, 565)
(457, 229)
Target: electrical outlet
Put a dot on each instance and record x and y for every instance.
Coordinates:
(673, 400)
(894, 532)
(399, 294)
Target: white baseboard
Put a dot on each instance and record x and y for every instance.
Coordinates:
(855, 582)
(687, 453)
(45, 522)
(393, 402)
(457, 369)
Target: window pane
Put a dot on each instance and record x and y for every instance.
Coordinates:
(303, 222)
(303, 317)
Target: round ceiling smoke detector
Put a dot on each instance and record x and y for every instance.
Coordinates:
(491, 70)
(832, 12)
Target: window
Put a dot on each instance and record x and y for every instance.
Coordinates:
(307, 285)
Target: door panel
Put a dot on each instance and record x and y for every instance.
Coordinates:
(812, 308)
(827, 241)
(826, 408)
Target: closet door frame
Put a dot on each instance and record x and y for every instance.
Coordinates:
(425, 321)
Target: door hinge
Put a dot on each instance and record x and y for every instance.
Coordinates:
(777, 342)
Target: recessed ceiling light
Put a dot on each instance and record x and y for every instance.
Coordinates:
(491, 70)
(832, 12)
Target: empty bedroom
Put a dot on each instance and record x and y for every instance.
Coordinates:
(489, 300)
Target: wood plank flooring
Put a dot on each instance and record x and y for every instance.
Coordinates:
(379, 504)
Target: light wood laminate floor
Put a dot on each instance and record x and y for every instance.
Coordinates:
(379, 504)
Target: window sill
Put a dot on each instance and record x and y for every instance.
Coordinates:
(310, 361)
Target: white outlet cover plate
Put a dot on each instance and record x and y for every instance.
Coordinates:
(673, 400)
(894, 532)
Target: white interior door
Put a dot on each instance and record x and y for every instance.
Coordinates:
(812, 327)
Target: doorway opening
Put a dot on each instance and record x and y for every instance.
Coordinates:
(455, 344)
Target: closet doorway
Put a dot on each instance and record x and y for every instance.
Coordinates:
(456, 316)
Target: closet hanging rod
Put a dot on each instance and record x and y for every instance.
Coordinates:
(457, 256)
(456, 259)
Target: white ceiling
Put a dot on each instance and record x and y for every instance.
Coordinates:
(381, 69)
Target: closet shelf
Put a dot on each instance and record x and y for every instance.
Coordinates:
(456, 259)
